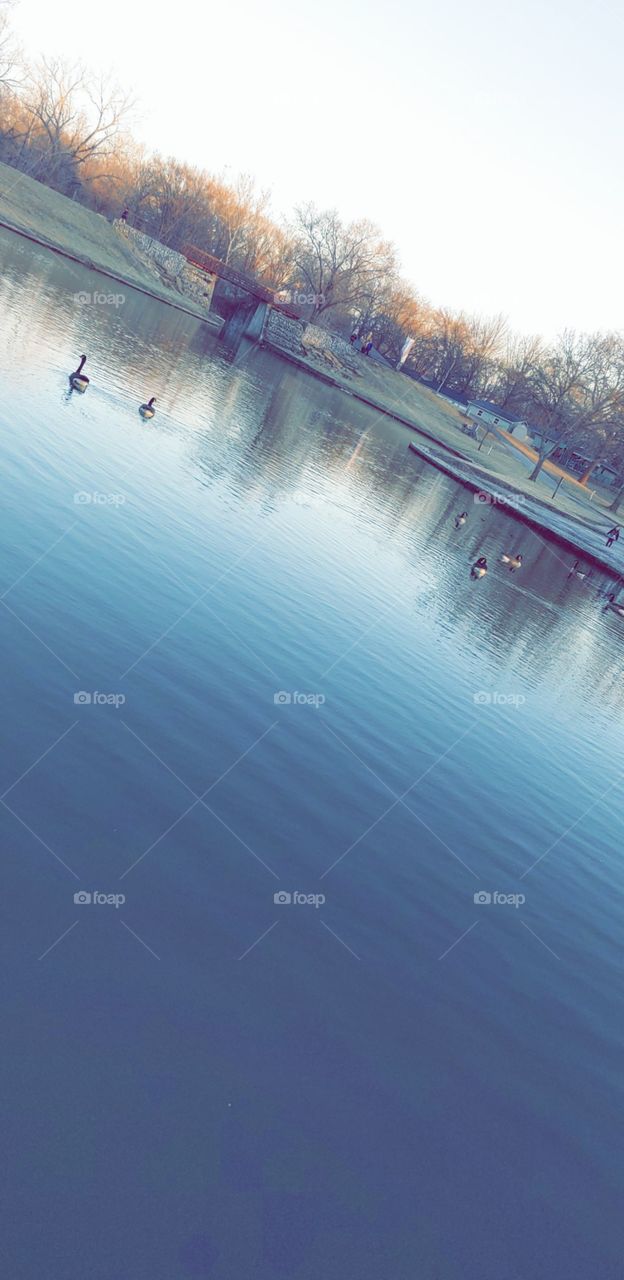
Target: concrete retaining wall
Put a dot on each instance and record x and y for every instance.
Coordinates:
(293, 334)
(284, 331)
(197, 284)
(171, 261)
(314, 336)
(191, 281)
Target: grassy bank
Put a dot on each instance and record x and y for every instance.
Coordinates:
(51, 220)
(498, 461)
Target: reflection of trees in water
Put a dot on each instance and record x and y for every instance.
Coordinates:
(277, 444)
(300, 436)
(29, 276)
(526, 620)
(268, 431)
(540, 627)
(137, 340)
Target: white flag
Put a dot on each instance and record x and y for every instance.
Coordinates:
(405, 350)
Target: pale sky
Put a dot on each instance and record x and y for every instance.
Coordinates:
(484, 138)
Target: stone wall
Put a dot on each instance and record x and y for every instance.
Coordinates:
(190, 280)
(197, 284)
(314, 336)
(169, 259)
(284, 331)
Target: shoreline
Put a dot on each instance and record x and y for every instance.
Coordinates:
(213, 320)
(385, 391)
(560, 526)
(301, 363)
(482, 482)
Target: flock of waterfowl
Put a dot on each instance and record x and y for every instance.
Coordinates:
(480, 567)
(78, 381)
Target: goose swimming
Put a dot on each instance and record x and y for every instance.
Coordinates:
(78, 380)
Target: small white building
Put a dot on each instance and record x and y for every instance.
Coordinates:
(491, 415)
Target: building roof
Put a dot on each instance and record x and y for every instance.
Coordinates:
(496, 410)
(433, 384)
(454, 396)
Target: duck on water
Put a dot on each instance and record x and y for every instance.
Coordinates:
(78, 380)
(575, 572)
(514, 562)
(148, 410)
(615, 604)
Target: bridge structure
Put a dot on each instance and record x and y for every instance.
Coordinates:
(249, 316)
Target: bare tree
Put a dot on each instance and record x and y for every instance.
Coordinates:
(10, 72)
(174, 200)
(343, 265)
(75, 118)
(600, 403)
(239, 208)
(618, 463)
(484, 337)
(514, 373)
(269, 253)
(458, 352)
(558, 378)
(11, 78)
(397, 313)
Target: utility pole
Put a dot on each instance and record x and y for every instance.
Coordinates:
(448, 373)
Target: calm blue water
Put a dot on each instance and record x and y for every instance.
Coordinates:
(200, 1082)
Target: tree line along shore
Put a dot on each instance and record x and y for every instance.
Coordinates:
(71, 130)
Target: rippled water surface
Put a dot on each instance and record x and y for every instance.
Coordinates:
(309, 695)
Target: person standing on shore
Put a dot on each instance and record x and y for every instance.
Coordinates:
(613, 535)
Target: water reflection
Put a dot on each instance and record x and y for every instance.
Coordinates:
(274, 534)
(279, 436)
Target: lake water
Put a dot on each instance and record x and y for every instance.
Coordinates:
(305, 694)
